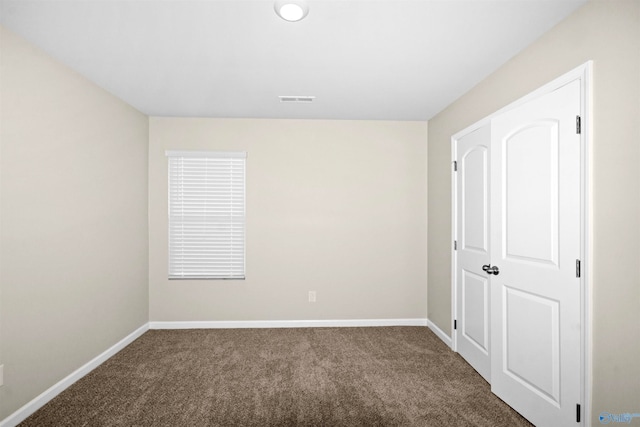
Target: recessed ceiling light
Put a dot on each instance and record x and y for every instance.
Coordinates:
(291, 10)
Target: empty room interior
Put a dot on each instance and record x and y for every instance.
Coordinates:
(338, 297)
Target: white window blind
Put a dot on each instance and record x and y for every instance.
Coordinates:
(206, 215)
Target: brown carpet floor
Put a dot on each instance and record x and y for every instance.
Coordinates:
(388, 376)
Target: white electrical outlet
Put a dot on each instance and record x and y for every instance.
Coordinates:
(1, 375)
(312, 296)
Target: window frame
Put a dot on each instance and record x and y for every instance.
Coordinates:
(183, 273)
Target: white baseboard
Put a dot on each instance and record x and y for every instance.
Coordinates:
(224, 324)
(37, 403)
(440, 333)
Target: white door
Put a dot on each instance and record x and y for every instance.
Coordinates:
(535, 298)
(472, 239)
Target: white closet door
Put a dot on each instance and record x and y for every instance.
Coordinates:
(535, 242)
(473, 222)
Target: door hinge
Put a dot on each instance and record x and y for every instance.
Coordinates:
(455, 324)
(455, 245)
(455, 166)
(578, 268)
(578, 413)
(578, 125)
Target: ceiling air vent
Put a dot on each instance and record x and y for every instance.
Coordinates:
(297, 99)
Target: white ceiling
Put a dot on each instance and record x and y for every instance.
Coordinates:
(376, 60)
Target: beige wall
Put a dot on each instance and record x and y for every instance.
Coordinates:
(607, 32)
(74, 221)
(337, 207)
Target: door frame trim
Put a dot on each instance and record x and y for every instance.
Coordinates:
(582, 73)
